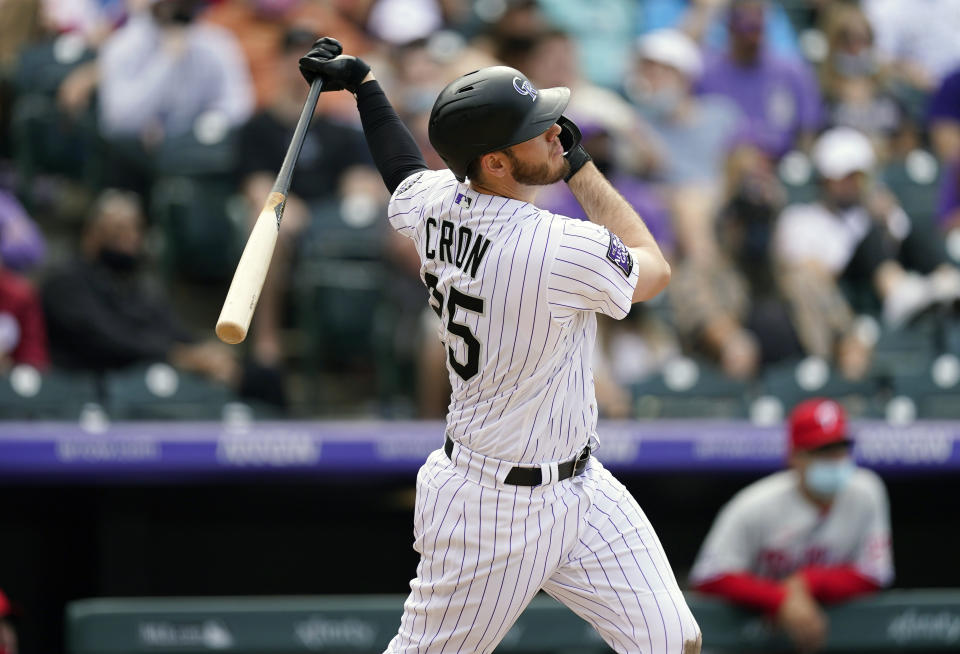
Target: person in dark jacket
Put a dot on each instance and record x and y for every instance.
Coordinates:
(103, 314)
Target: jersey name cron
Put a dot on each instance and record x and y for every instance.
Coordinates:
(453, 245)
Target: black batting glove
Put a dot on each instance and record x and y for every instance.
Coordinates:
(338, 71)
(573, 152)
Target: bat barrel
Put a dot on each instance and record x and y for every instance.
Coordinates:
(251, 272)
(231, 332)
(252, 269)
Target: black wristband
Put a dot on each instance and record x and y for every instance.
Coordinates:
(578, 158)
(358, 72)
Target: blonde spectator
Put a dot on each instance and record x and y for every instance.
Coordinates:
(692, 133)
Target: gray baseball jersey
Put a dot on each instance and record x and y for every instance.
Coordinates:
(770, 529)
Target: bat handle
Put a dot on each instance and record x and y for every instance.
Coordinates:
(282, 183)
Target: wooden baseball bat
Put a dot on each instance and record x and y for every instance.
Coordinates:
(248, 279)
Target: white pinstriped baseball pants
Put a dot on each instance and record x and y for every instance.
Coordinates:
(486, 548)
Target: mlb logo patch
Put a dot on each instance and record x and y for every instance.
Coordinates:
(620, 255)
(464, 200)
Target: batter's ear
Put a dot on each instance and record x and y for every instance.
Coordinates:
(494, 164)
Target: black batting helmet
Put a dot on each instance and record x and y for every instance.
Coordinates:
(490, 109)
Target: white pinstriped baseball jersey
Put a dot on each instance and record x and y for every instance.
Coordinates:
(516, 289)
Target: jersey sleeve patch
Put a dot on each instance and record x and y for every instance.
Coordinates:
(619, 254)
(407, 183)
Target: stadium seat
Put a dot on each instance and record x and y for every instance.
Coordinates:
(339, 284)
(337, 303)
(934, 391)
(908, 350)
(914, 181)
(690, 389)
(44, 143)
(25, 394)
(44, 140)
(334, 234)
(201, 241)
(796, 172)
(202, 151)
(158, 392)
(795, 381)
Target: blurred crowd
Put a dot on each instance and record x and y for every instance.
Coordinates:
(799, 161)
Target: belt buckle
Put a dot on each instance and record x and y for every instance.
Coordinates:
(581, 462)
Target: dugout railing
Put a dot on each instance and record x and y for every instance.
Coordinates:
(895, 621)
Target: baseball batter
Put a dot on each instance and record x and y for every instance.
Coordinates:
(515, 502)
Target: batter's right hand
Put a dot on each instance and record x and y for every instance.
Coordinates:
(338, 71)
(573, 151)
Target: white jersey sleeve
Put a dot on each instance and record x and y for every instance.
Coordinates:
(875, 556)
(592, 271)
(405, 210)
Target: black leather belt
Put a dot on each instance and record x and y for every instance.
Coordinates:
(533, 476)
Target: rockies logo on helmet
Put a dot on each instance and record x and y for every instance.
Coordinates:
(524, 87)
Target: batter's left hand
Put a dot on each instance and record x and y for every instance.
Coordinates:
(337, 70)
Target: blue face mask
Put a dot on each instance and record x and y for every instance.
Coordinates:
(660, 104)
(827, 478)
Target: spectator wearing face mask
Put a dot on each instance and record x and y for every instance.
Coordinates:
(703, 20)
(692, 133)
(161, 76)
(694, 130)
(779, 97)
(741, 308)
(814, 534)
(102, 313)
(854, 84)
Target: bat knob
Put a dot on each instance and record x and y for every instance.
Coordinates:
(230, 332)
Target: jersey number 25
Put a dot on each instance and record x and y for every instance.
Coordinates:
(457, 298)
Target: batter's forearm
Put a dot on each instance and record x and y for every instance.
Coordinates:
(605, 206)
(392, 147)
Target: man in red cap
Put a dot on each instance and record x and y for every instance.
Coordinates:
(816, 533)
(8, 637)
